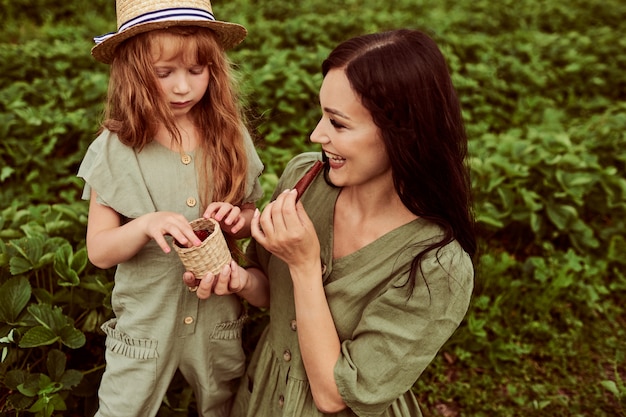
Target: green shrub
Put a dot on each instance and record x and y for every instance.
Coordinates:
(541, 84)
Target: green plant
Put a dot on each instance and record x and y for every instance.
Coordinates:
(541, 84)
(616, 385)
(39, 393)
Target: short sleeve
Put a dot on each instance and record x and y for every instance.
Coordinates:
(398, 337)
(111, 168)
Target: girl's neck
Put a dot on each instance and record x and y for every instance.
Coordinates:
(188, 137)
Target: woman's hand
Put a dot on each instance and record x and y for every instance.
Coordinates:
(250, 284)
(286, 230)
(231, 280)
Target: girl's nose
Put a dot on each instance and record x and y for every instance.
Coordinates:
(182, 85)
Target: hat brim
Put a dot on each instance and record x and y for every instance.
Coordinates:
(229, 35)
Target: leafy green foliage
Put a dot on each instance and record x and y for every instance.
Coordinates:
(542, 88)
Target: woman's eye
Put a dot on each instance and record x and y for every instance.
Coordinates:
(162, 74)
(197, 70)
(336, 124)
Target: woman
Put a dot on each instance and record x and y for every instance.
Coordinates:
(370, 273)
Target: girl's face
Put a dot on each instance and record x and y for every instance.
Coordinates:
(349, 138)
(183, 82)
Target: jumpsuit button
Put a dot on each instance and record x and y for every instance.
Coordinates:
(191, 201)
(293, 325)
(287, 355)
(185, 159)
(188, 320)
(281, 401)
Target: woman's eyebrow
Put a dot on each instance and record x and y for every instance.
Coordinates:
(336, 113)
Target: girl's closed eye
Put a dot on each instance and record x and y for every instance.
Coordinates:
(197, 70)
(162, 73)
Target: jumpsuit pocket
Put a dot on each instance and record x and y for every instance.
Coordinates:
(125, 345)
(227, 348)
(131, 368)
(229, 329)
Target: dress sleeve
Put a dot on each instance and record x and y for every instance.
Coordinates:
(397, 337)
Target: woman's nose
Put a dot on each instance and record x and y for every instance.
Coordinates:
(318, 136)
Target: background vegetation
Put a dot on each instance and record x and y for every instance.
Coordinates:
(543, 89)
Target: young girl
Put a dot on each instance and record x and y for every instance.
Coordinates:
(173, 147)
(370, 273)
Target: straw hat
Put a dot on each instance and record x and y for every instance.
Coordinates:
(138, 16)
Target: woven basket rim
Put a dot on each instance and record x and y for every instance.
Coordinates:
(211, 255)
(200, 224)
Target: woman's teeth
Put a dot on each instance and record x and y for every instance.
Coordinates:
(334, 157)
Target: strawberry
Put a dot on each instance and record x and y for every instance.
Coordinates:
(202, 234)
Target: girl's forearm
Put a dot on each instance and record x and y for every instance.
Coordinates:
(110, 247)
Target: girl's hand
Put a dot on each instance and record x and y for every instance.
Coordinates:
(231, 280)
(229, 216)
(157, 225)
(233, 220)
(286, 230)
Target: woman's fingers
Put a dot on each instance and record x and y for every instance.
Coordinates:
(222, 281)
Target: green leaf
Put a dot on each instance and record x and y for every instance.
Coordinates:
(80, 260)
(19, 266)
(71, 378)
(561, 215)
(68, 265)
(19, 401)
(617, 249)
(6, 173)
(38, 336)
(14, 295)
(31, 248)
(72, 337)
(14, 378)
(29, 391)
(611, 386)
(48, 316)
(56, 364)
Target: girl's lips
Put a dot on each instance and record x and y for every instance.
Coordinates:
(181, 104)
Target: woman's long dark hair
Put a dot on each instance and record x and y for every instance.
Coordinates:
(402, 78)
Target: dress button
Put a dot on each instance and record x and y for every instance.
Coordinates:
(188, 320)
(323, 268)
(185, 159)
(293, 325)
(281, 401)
(191, 201)
(287, 355)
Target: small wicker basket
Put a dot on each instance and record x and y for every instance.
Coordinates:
(211, 255)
